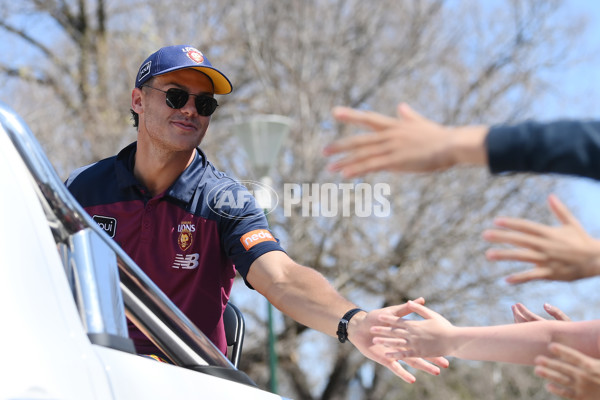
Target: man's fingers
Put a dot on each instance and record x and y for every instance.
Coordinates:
(423, 365)
(530, 275)
(368, 156)
(552, 375)
(523, 314)
(422, 310)
(561, 391)
(420, 300)
(439, 361)
(556, 313)
(388, 336)
(514, 237)
(567, 354)
(516, 254)
(518, 317)
(557, 366)
(367, 119)
(560, 210)
(368, 165)
(398, 370)
(401, 310)
(521, 225)
(406, 112)
(352, 143)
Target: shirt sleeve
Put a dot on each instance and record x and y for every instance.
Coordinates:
(564, 147)
(244, 228)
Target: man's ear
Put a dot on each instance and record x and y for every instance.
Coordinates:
(136, 100)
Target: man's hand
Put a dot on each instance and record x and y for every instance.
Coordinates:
(409, 143)
(306, 296)
(563, 253)
(523, 314)
(361, 336)
(572, 374)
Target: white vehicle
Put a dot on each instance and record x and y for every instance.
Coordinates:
(65, 290)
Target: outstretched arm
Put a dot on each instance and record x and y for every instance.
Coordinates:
(564, 253)
(409, 143)
(306, 296)
(514, 343)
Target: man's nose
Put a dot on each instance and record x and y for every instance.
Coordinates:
(190, 106)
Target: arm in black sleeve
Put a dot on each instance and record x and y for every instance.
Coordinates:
(564, 147)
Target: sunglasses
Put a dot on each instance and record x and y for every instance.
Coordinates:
(177, 98)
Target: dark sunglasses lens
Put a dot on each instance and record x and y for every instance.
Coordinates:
(206, 105)
(176, 98)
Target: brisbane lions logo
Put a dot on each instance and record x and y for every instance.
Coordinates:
(194, 55)
(185, 238)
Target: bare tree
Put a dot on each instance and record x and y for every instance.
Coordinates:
(455, 62)
(374, 55)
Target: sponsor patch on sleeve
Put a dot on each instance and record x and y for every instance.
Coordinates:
(255, 237)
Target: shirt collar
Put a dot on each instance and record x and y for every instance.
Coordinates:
(124, 167)
(185, 186)
(182, 189)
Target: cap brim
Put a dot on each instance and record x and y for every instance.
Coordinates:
(221, 83)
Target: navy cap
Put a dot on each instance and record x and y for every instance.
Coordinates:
(173, 58)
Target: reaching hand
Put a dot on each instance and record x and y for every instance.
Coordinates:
(523, 314)
(408, 143)
(572, 374)
(405, 338)
(363, 338)
(563, 253)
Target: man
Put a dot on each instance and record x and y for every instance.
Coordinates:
(168, 204)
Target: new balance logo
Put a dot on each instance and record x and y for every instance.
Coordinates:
(186, 262)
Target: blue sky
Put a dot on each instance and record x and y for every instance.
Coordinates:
(581, 83)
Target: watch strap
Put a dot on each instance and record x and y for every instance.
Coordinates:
(342, 332)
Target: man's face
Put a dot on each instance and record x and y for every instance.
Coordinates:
(166, 128)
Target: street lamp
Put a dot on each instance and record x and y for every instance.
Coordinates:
(262, 137)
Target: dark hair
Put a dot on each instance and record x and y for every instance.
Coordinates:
(135, 117)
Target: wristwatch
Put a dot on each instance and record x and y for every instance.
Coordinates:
(342, 332)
